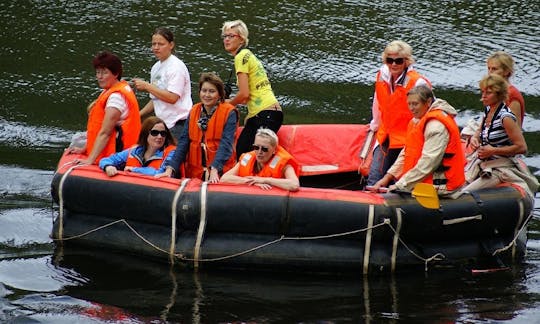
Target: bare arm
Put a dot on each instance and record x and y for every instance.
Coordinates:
(148, 108)
(515, 107)
(161, 94)
(519, 146)
(232, 176)
(112, 116)
(290, 182)
(242, 96)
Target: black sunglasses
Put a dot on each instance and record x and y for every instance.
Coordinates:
(155, 132)
(262, 148)
(398, 60)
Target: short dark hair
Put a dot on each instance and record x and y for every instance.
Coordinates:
(109, 61)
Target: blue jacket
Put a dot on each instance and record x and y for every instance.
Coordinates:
(120, 159)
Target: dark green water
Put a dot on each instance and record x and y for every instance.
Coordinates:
(322, 57)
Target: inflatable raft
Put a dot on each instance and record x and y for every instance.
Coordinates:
(198, 224)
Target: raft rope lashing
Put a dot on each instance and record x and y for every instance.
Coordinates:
(367, 246)
(123, 221)
(517, 232)
(396, 239)
(289, 238)
(60, 233)
(435, 257)
(174, 205)
(202, 225)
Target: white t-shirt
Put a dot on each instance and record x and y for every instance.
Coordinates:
(116, 100)
(172, 75)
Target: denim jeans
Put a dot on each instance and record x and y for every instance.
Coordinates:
(383, 158)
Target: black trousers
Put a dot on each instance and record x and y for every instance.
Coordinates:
(272, 119)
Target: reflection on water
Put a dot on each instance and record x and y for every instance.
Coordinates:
(321, 57)
(227, 296)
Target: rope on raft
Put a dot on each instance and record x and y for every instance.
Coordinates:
(113, 223)
(438, 256)
(176, 198)
(61, 197)
(517, 233)
(197, 259)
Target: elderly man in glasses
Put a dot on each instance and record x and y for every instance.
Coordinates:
(268, 165)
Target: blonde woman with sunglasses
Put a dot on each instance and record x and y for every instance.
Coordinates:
(390, 111)
(267, 165)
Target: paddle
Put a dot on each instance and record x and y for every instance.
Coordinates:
(425, 194)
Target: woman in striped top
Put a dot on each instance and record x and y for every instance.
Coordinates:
(498, 141)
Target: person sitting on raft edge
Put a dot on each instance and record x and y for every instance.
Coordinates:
(155, 146)
(268, 165)
(433, 152)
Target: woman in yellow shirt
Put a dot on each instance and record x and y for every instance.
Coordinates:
(254, 88)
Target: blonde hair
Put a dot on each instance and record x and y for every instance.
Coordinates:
(495, 83)
(268, 134)
(240, 27)
(401, 48)
(505, 60)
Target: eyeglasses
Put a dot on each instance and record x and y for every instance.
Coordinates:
(155, 132)
(229, 36)
(398, 60)
(262, 148)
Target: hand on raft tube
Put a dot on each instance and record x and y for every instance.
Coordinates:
(75, 150)
(258, 181)
(111, 170)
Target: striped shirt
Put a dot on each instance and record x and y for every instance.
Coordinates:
(495, 134)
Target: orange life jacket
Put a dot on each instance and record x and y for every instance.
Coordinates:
(130, 127)
(273, 168)
(155, 162)
(451, 171)
(395, 113)
(210, 139)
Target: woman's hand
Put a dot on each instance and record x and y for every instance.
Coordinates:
(214, 176)
(140, 84)
(474, 142)
(485, 151)
(111, 170)
(168, 173)
(260, 182)
(76, 150)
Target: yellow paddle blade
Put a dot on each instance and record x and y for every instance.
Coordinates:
(426, 195)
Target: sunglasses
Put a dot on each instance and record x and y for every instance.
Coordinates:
(398, 60)
(155, 132)
(262, 148)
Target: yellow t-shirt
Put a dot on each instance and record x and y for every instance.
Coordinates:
(260, 91)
